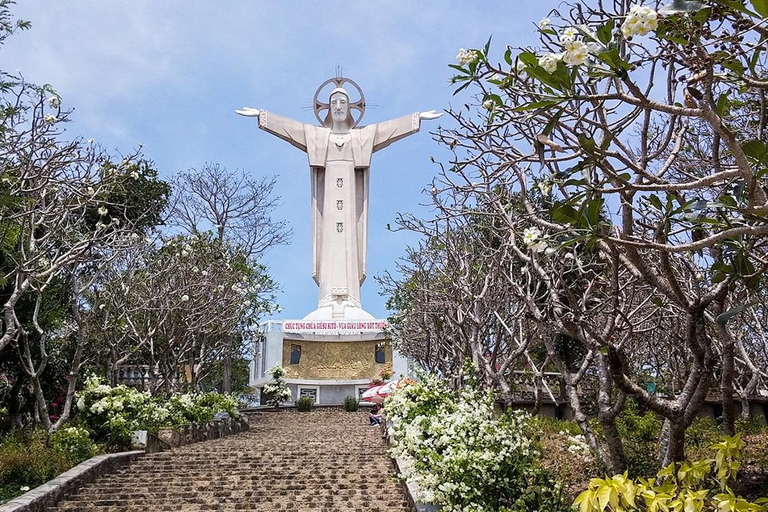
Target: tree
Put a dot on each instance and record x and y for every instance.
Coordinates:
(627, 123)
(237, 208)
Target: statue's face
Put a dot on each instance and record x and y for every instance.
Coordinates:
(339, 107)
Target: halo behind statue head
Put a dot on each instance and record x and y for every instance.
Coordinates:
(338, 82)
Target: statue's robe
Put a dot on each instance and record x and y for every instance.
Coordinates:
(340, 276)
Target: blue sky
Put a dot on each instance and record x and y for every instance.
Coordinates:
(169, 75)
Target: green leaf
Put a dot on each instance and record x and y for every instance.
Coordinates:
(529, 59)
(756, 150)
(487, 47)
(552, 123)
(508, 56)
(723, 318)
(593, 210)
(605, 33)
(655, 202)
(562, 212)
(736, 5)
(537, 104)
(724, 104)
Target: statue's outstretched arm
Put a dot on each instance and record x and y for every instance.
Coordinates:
(289, 130)
(393, 130)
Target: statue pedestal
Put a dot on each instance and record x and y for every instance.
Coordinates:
(326, 359)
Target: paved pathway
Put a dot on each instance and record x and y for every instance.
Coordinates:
(326, 460)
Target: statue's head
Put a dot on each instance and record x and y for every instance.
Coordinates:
(338, 109)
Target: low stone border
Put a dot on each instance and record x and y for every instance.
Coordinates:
(172, 438)
(412, 489)
(50, 493)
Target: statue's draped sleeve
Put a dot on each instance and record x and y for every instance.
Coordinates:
(394, 130)
(289, 130)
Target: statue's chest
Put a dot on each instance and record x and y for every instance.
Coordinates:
(340, 147)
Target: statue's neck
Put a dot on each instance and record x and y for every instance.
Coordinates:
(339, 127)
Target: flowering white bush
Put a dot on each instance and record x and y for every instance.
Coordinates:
(277, 391)
(112, 413)
(461, 456)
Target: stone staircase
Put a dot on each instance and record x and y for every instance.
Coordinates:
(325, 460)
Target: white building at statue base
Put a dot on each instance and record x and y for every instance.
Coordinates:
(327, 358)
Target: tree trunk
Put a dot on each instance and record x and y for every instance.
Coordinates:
(675, 449)
(226, 386)
(726, 388)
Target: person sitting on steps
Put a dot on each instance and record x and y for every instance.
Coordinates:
(375, 415)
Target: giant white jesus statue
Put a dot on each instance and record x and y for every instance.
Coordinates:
(339, 161)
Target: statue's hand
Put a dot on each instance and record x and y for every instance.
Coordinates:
(249, 112)
(429, 115)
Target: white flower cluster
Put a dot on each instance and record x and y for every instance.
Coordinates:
(276, 371)
(576, 50)
(114, 412)
(639, 21)
(578, 446)
(465, 57)
(535, 241)
(454, 448)
(548, 61)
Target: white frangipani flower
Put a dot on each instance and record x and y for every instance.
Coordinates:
(54, 101)
(548, 61)
(134, 175)
(489, 104)
(545, 23)
(102, 211)
(520, 67)
(568, 34)
(465, 57)
(639, 21)
(531, 236)
(50, 119)
(576, 53)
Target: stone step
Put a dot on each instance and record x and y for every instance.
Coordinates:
(325, 461)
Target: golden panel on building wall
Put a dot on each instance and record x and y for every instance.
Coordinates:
(347, 360)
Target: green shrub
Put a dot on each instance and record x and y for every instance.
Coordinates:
(691, 486)
(27, 460)
(702, 433)
(75, 442)
(351, 404)
(639, 430)
(304, 404)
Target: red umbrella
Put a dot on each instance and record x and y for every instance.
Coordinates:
(372, 395)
